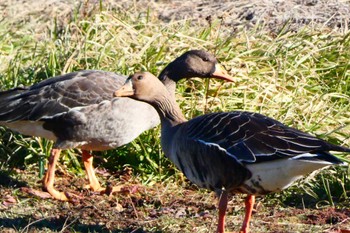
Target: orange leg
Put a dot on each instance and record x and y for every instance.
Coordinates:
(93, 182)
(222, 211)
(249, 203)
(49, 178)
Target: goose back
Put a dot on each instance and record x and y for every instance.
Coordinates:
(58, 94)
(255, 138)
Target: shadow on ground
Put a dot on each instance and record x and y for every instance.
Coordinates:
(7, 181)
(60, 225)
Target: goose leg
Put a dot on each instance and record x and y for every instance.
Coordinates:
(249, 203)
(49, 178)
(222, 211)
(93, 182)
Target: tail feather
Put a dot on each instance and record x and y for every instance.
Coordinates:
(333, 147)
(333, 158)
(321, 157)
(8, 101)
(10, 94)
(13, 104)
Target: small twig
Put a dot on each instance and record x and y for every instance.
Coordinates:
(133, 206)
(26, 228)
(64, 227)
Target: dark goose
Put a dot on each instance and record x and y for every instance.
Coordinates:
(232, 152)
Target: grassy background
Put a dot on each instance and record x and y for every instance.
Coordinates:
(298, 77)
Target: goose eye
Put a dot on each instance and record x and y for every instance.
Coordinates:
(205, 59)
(140, 77)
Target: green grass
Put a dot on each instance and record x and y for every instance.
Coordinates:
(300, 78)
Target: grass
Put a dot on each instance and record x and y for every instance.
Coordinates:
(300, 78)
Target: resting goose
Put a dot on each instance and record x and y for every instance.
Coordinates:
(78, 110)
(231, 152)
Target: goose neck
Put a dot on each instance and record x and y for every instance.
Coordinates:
(169, 112)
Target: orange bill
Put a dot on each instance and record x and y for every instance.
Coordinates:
(125, 90)
(221, 73)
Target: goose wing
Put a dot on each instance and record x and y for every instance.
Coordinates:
(208, 166)
(252, 137)
(58, 94)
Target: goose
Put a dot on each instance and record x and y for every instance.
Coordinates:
(231, 152)
(78, 110)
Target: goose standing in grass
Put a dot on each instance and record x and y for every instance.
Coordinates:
(232, 152)
(78, 110)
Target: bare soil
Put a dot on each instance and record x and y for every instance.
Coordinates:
(160, 207)
(272, 14)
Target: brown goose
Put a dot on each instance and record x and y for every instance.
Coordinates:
(232, 152)
(78, 110)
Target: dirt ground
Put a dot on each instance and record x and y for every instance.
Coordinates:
(334, 14)
(161, 207)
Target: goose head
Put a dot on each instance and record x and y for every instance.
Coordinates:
(142, 86)
(194, 63)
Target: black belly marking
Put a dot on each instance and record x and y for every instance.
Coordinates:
(259, 189)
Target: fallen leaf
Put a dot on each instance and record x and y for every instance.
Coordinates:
(37, 193)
